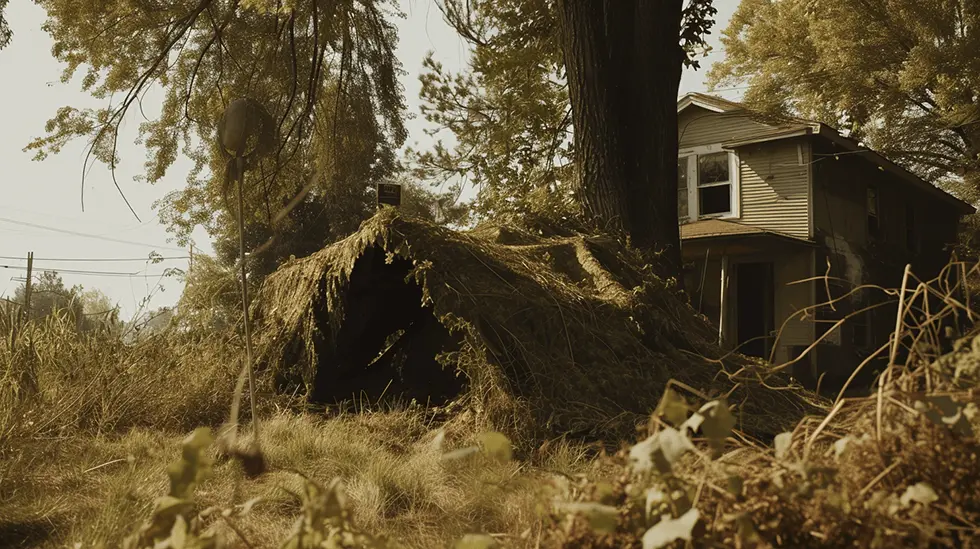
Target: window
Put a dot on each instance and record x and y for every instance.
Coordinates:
(707, 183)
(872, 211)
(682, 189)
(714, 184)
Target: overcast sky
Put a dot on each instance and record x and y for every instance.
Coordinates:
(40, 207)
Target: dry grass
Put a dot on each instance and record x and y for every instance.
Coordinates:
(898, 468)
(88, 427)
(97, 490)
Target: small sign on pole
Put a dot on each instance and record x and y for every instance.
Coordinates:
(390, 193)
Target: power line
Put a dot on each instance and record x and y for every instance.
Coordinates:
(90, 273)
(86, 235)
(98, 259)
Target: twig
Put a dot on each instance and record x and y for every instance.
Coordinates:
(106, 464)
(880, 476)
(886, 375)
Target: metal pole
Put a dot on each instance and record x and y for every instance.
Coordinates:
(248, 328)
(28, 287)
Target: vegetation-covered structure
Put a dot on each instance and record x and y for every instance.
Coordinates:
(549, 330)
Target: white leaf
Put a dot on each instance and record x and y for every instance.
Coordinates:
(178, 534)
(782, 443)
(461, 453)
(655, 497)
(693, 423)
(436, 443)
(247, 506)
(919, 492)
(669, 530)
(671, 442)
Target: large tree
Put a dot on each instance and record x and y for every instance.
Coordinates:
(512, 122)
(624, 62)
(901, 75)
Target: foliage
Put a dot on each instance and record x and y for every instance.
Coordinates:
(171, 524)
(88, 310)
(899, 75)
(508, 114)
(325, 70)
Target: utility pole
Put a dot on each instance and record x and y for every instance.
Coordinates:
(27, 286)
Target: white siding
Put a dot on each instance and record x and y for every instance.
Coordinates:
(775, 187)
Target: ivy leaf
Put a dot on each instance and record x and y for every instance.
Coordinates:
(602, 518)
(674, 408)
(718, 423)
(919, 492)
(669, 530)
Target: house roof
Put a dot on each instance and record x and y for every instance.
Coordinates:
(796, 127)
(719, 228)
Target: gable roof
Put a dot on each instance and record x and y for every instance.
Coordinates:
(789, 127)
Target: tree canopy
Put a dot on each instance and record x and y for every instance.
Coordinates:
(901, 75)
(326, 71)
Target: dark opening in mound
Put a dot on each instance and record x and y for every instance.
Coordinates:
(388, 342)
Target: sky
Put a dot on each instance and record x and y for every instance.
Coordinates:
(40, 205)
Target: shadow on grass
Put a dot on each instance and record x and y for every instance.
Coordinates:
(26, 532)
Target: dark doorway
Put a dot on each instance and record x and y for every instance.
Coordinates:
(755, 311)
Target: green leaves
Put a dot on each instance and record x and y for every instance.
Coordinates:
(170, 525)
(193, 467)
(718, 423)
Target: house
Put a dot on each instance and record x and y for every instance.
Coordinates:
(768, 207)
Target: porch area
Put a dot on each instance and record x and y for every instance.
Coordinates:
(746, 281)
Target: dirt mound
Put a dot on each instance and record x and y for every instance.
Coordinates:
(566, 333)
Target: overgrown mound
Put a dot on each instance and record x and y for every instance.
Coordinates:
(565, 333)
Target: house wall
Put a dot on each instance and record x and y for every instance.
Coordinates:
(697, 127)
(775, 186)
(774, 177)
(857, 257)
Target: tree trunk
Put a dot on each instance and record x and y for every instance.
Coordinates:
(623, 60)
